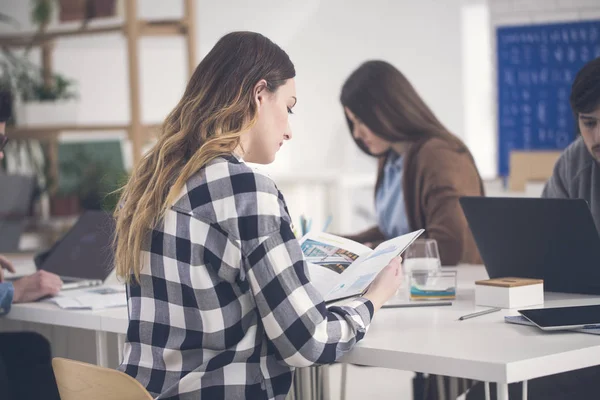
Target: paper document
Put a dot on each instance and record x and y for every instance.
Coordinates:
(341, 268)
(91, 298)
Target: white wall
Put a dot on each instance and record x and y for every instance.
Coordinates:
(479, 105)
(326, 39)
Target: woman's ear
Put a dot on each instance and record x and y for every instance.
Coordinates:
(260, 90)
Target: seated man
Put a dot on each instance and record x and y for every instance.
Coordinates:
(576, 176)
(577, 172)
(25, 361)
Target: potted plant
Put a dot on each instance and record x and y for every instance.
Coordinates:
(71, 10)
(84, 10)
(36, 102)
(92, 181)
(40, 97)
(47, 105)
(64, 204)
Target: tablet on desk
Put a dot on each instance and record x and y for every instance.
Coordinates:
(550, 319)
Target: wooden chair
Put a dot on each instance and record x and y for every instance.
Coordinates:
(81, 381)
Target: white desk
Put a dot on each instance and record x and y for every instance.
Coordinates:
(428, 340)
(432, 340)
(101, 321)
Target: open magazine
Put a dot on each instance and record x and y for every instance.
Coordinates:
(341, 268)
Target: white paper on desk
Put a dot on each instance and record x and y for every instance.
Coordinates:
(91, 301)
(91, 298)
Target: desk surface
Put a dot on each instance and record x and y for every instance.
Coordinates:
(485, 348)
(49, 313)
(427, 339)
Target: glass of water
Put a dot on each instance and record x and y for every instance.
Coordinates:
(421, 260)
(423, 254)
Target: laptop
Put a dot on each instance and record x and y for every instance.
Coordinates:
(558, 318)
(550, 239)
(84, 256)
(17, 195)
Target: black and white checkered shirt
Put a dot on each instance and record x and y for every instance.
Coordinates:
(225, 308)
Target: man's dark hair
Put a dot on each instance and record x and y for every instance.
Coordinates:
(585, 92)
(5, 105)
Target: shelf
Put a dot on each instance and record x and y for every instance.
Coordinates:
(146, 28)
(162, 28)
(51, 132)
(132, 28)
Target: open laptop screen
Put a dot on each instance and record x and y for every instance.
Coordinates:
(551, 239)
(85, 251)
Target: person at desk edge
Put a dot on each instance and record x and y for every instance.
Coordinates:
(423, 168)
(577, 171)
(24, 356)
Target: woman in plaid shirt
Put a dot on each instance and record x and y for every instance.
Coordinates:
(220, 302)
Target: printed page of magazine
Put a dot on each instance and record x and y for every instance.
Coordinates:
(359, 275)
(341, 268)
(327, 257)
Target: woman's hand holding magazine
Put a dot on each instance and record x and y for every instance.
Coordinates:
(385, 285)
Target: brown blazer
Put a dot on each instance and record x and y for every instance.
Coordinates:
(436, 174)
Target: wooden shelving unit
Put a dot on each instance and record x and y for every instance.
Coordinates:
(146, 28)
(133, 29)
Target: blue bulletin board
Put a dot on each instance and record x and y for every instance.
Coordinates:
(536, 67)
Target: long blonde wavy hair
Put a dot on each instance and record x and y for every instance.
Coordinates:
(217, 106)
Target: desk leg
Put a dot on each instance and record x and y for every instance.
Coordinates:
(502, 391)
(343, 383)
(486, 387)
(316, 376)
(325, 390)
(441, 384)
(308, 384)
(453, 387)
(101, 349)
(524, 390)
(120, 345)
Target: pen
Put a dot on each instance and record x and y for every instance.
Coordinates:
(477, 314)
(409, 305)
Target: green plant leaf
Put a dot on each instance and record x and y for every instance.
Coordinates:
(41, 11)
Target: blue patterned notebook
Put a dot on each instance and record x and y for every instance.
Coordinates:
(521, 320)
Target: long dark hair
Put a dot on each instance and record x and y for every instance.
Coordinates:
(217, 106)
(585, 91)
(386, 102)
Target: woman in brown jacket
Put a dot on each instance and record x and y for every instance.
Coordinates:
(423, 168)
